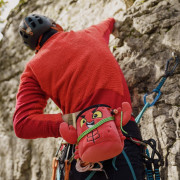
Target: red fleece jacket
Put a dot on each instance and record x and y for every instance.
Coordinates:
(75, 70)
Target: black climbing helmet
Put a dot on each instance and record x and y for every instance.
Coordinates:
(32, 27)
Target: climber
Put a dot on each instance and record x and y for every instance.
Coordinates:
(76, 70)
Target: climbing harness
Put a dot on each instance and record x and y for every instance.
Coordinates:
(152, 159)
(59, 160)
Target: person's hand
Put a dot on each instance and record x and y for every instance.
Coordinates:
(68, 133)
(116, 29)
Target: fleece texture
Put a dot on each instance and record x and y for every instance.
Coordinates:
(75, 70)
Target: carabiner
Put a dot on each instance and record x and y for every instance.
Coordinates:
(155, 99)
(169, 72)
(157, 91)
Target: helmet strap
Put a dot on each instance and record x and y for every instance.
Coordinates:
(57, 28)
(38, 46)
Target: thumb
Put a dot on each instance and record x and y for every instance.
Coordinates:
(68, 133)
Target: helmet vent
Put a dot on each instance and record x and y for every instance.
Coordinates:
(32, 27)
(33, 24)
(29, 19)
(40, 21)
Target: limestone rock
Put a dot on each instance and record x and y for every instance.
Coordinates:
(149, 32)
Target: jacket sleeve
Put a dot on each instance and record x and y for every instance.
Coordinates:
(104, 28)
(28, 120)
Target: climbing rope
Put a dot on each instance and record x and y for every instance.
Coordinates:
(142, 112)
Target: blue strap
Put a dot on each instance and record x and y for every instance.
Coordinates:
(141, 113)
(129, 163)
(157, 89)
(147, 152)
(58, 176)
(113, 163)
(149, 174)
(90, 175)
(157, 175)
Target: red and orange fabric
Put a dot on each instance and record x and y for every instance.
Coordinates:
(75, 70)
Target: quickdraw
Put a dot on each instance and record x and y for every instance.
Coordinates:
(152, 164)
(59, 160)
(169, 71)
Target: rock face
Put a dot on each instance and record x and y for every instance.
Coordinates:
(148, 34)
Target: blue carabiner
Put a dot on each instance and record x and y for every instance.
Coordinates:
(156, 90)
(168, 72)
(155, 99)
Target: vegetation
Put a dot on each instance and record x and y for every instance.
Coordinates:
(2, 6)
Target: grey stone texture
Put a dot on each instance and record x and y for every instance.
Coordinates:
(149, 32)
